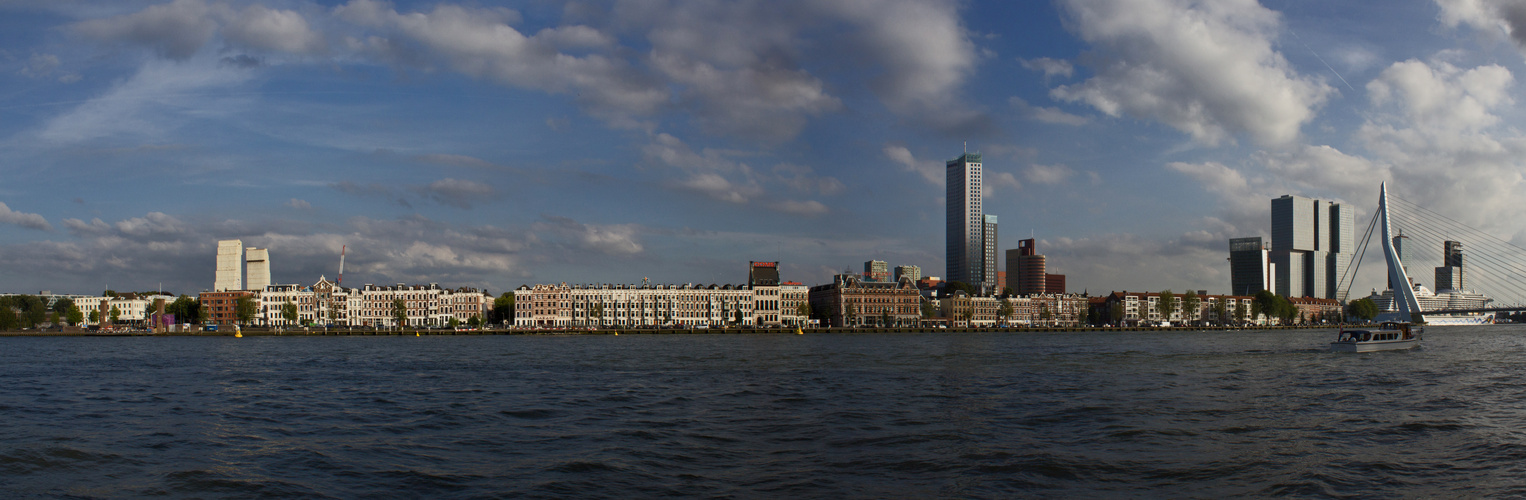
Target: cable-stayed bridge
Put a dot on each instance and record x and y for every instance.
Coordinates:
(1471, 272)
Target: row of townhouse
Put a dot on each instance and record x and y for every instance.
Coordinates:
(1137, 308)
(1037, 309)
(326, 303)
(646, 305)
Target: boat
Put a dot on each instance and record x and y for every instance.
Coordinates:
(1389, 336)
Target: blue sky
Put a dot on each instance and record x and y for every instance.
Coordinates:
(495, 144)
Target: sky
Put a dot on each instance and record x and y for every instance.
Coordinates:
(495, 144)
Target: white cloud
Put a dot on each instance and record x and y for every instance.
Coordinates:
(269, 29)
(801, 207)
(159, 98)
(931, 171)
(23, 219)
(1492, 18)
(299, 204)
(40, 65)
(456, 192)
(1048, 174)
(1207, 69)
(610, 239)
(1046, 115)
(177, 29)
(1050, 67)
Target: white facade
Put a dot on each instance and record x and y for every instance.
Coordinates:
(259, 268)
(324, 303)
(230, 266)
(562, 306)
(128, 310)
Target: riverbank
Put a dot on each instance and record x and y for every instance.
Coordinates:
(264, 332)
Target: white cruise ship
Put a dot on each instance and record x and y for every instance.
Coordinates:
(1446, 299)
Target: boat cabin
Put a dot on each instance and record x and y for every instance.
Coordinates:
(1390, 330)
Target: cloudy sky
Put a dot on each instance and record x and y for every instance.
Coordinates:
(494, 144)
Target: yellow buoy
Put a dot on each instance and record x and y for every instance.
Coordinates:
(617, 334)
(237, 334)
(415, 334)
(798, 331)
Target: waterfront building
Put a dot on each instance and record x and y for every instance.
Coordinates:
(221, 308)
(258, 268)
(1139, 309)
(230, 266)
(1312, 245)
(1250, 270)
(275, 297)
(1026, 269)
(131, 308)
(767, 304)
(964, 311)
(635, 306)
(964, 220)
(850, 301)
(793, 295)
(913, 273)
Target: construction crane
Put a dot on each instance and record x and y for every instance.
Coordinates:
(341, 264)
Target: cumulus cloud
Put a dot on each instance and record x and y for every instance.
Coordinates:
(1492, 18)
(931, 171)
(299, 204)
(271, 29)
(23, 219)
(1207, 69)
(177, 29)
(1439, 129)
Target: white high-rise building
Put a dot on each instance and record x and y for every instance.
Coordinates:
(230, 266)
(965, 224)
(1312, 244)
(259, 268)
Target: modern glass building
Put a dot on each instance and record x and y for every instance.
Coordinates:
(1249, 269)
(965, 224)
(1312, 245)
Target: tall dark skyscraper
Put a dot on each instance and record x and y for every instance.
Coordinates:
(1249, 269)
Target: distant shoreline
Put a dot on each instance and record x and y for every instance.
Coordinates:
(261, 332)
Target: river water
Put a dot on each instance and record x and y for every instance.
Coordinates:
(1158, 414)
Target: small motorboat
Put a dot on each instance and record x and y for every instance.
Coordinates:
(1390, 335)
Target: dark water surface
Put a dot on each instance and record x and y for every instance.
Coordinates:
(1204, 414)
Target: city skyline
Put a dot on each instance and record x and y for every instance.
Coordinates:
(476, 145)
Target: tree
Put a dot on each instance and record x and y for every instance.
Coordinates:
(1190, 303)
(968, 314)
(453, 322)
(245, 309)
(1006, 292)
(1240, 312)
(62, 306)
(1005, 311)
(1115, 313)
(109, 293)
(95, 316)
(400, 312)
(803, 310)
(503, 309)
(115, 314)
(1287, 310)
(186, 310)
(289, 312)
(33, 310)
(1221, 311)
(738, 315)
(1165, 305)
(1044, 313)
(928, 309)
(8, 319)
(959, 286)
(74, 316)
(885, 319)
(474, 322)
(1363, 308)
